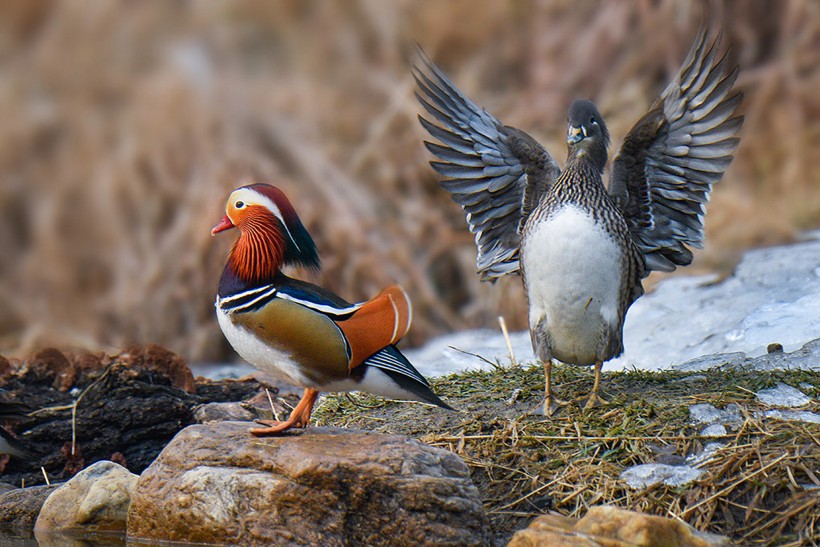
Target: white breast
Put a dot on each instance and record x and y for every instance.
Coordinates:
(259, 354)
(573, 271)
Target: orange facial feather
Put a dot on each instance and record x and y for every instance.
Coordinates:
(260, 249)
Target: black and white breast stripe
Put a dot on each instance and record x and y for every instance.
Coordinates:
(256, 298)
(245, 301)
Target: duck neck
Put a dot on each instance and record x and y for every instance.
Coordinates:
(591, 155)
(255, 259)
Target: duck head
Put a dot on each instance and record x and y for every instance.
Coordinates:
(271, 234)
(587, 135)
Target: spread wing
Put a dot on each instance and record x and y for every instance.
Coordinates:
(665, 168)
(495, 172)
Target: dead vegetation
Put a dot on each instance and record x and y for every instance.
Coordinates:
(761, 488)
(125, 125)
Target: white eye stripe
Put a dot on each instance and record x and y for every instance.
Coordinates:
(251, 197)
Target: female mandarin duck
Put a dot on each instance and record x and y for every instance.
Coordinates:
(581, 247)
(302, 333)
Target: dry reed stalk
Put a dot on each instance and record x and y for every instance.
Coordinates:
(126, 124)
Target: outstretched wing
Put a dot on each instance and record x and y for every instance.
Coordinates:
(665, 168)
(495, 172)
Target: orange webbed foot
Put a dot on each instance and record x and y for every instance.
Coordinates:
(300, 417)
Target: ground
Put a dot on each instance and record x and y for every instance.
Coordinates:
(754, 489)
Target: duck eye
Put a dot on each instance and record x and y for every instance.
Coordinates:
(239, 204)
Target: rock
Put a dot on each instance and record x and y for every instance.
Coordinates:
(216, 483)
(222, 412)
(605, 526)
(19, 509)
(95, 500)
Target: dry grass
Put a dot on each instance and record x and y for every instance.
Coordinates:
(761, 488)
(125, 124)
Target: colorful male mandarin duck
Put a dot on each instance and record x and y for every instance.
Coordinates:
(303, 334)
(583, 248)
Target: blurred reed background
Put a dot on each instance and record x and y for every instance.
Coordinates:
(125, 125)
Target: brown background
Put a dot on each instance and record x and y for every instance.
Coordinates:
(124, 125)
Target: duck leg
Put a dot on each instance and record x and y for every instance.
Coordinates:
(594, 399)
(551, 402)
(299, 417)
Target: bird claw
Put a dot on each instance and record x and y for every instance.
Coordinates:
(274, 427)
(594, 401)
(549, 406)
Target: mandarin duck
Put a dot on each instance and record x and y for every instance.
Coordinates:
(583, 248)
(300, 332)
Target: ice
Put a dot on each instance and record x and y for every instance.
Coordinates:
(793, 416)
(705, 413)
(704, 455)
(773, 296)
(459, 351)
(649, 474)
(714, 430)
(699, 321)
(783, 395)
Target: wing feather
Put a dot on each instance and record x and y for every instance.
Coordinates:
(664, 170)
(494, 172)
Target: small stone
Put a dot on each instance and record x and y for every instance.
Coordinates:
(612, 526)
(95, 500)
(774, 347)
(783, 395)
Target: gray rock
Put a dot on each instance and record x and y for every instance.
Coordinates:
(222, 412)
(215, 483)
(94, 500)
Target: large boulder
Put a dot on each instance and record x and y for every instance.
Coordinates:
(605, 526)
(95, 500)
(215, 483)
